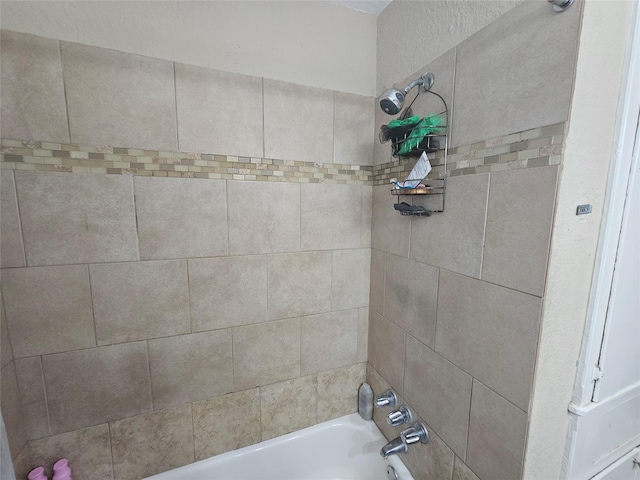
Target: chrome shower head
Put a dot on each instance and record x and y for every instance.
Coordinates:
(392, 100)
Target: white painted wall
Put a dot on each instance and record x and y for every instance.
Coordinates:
(312, 43)
(589, 148)
(411, 34)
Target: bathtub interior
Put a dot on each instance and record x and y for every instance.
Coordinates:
(345, 448)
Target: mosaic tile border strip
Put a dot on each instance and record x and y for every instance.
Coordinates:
(71, 158)
(537, 147)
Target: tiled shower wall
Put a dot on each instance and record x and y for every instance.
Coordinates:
(154, 321)
(456, 298)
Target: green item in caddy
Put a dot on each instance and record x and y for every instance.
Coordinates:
(425, 127)
(407, 122)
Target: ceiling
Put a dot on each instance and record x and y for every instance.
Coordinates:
(372, 7)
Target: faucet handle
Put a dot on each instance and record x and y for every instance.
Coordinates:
(400, 416)
(415, 433)
(387, 399)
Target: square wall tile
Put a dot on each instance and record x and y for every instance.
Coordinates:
(328, 340)
(192, 367)
(410, 297)
(137, 301)
(350, 278)
(227, 291)
(11, 246)
(266, 353)
(152, 443)
(226, 423)
(181, 217)
(338, 391)
(454, 239)
(12, 413)
(390, 231)
(376, 296)
(70, 218)
(440, 393)
(386, 350)
(6, 352)
(331, 216)
(497, 435)
(33, 396)
(93, 386)
(490, 332)
(519, 220)
(119, 99)
(353, 129)
(264, 217)
(299, 284)
(33, 102)
(298, 122)
(218, 112)
(288, 406)
(88, 452)
(48, 309)
(516, 95)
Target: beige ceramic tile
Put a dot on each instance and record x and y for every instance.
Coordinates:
(12, 410)
(328, 340)
(218, 112)
(33, 396)
(519, 219)
(390, 231)
(288, 406)
(86, 387)
(379, 385)
(541, 99)
(298, 122)
(168, 226)
(33, 101)
(227, 422)
(77, 218)
(376, 297)
(350, 278)
(227, 291)
(432, 460)
(338, 391)
(192, 367)
(6, 352)
(119, 99)
(137, 301)
(266, 353)
(152, 443)
(331, 216)
(453, 240)
(381, 151)
(440, 393)
(410, 297)
(490, 332)
(353, 129)
(386, 350)
(11, 246)
(497, 434)
(88, 452)
(299, 284)
(263, 217)
(367, 211)
(56, 319)
(363, 334)
(462, 472)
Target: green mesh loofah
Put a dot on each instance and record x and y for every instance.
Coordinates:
(426, 126)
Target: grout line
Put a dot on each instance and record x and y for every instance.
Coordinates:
(264, 132)
(193, 431)
(64, 91)
(186, 260)
(175, 103)
(153, 407)
(46, 396)
(486, 222)
(113, 468)
(20, 228)
(93, 308)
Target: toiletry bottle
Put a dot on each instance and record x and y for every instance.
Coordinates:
(61, 470)
(365, 401)
(37, 474)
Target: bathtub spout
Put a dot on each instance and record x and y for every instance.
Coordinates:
(394, 447)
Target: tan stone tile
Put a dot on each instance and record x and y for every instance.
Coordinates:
(288, 406)
(227, 422)
(353, 129)
(387, 349)
(431, 460)
(350, 278)
(6, 351)
(34, 398)
(152, 443)
(462, 472)
(191, 367)
(338, 391)
(11, 248)
(12, 410)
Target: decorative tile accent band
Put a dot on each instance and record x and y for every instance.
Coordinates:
(537, 147)
(56, 157)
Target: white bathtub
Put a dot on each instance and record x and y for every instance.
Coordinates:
(346, 448)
